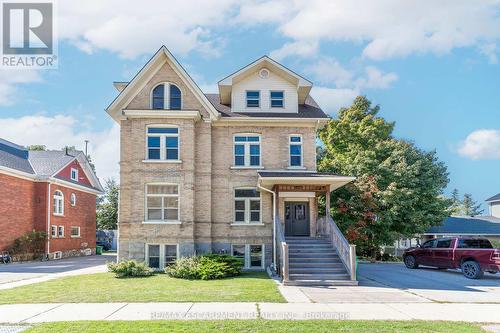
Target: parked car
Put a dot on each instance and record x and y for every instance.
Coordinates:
(106, 246)
(473, 256)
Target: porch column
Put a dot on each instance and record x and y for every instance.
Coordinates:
(327, 204)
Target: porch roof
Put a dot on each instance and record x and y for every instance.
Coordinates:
(268, 179)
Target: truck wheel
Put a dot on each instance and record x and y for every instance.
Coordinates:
(472, 270)
(410, 262)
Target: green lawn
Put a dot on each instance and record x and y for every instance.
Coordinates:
(104, 287)
(318, 326)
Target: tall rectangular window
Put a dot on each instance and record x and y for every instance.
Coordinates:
(74, 174)
(163, 143)
(246, 206)
(170, 254)
(60, 231)
(162, 203)
(295, 150)
(251, 255)
(253, 99)
(247, 150)
(53, 231)
(277, 100)
(154, 256)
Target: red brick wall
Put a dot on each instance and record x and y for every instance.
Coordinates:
(82, 215)
(17, 209)
(66, 173)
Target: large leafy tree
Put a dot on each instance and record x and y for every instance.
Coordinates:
(398, 188)
(107, 206)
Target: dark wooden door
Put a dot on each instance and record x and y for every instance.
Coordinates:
(296, 218)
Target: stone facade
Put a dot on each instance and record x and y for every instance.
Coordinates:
(205, 175)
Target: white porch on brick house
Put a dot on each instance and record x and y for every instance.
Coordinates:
(308, 249)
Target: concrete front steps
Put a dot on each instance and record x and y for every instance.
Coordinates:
(314, 262)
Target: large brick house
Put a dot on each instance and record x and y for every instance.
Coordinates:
(233, 172)
(50, 191)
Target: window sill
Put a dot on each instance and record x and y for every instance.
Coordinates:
(247, 224)
(246, 167)
(162, 222)
(60, 215)
(296, 168)
(75, 236)
(163, 161)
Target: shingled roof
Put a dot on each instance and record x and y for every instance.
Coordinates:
(494, 198)
(42, 164)
(308, 110)
(481, 225)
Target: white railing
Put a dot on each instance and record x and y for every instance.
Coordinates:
(347, 252)
(281, 251)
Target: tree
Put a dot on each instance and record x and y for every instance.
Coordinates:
(37, 148)
(398, 188)
(470, 206)
(456, 203)
(107, 206)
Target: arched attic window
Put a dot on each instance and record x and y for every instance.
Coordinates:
(166, 96)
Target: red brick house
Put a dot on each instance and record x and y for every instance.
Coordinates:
(50, 191)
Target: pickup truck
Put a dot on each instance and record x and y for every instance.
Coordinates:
(473, 256)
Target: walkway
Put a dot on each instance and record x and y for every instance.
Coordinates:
(36, 313)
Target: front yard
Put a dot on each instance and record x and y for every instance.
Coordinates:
(206, 326)
(104, 287)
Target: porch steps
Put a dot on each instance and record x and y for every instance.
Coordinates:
(314, 262)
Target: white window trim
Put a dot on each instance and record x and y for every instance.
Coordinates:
(162, 253)
(61, 200)
(271, 100)
(247, 207)
(79, 232)
(178, 196)
(76, 174)
(246, 145)
(166, 95)
(301, 144)
(58, 233)
(248, 256)
(53, 231)
(246, 99)
(163, 147)
(72, 199)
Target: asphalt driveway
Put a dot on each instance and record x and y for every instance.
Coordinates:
(38, 271)
(393, 282)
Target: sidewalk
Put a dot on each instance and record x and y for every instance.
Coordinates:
(36, 313)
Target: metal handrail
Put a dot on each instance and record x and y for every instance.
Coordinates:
(281, 250)
(346, 252)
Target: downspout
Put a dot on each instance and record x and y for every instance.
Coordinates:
(48, 220)
(274, 221)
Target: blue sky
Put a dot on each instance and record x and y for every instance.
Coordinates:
(432, 68)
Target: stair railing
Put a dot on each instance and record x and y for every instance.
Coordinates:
(281, 251)
(347, 252)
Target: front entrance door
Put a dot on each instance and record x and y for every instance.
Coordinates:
(296, 219)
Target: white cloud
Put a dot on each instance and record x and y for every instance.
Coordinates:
(331, 99)
(388, 28)
(10, 80)
(330, 71)
(483, 144)
(299, 48)
(58, 131)
(376, 79)
(132, 28)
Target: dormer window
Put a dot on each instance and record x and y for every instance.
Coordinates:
(253, 99)
(166, 96)
(277, 99)
(74, 174)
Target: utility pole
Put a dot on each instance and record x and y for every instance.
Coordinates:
(86, 145)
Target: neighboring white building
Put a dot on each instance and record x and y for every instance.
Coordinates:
(494, 205)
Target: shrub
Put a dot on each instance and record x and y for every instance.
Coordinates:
(206, 267)
(29, 246)
(130, 268)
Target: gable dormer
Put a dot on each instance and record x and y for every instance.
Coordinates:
(264, 86)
